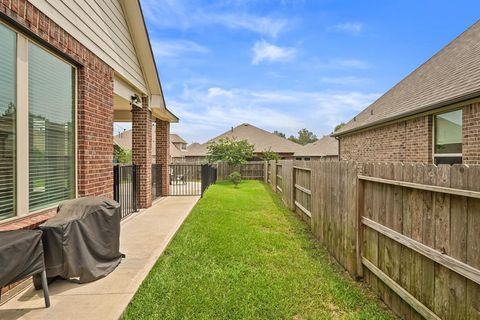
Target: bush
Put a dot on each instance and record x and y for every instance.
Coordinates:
(235, 177)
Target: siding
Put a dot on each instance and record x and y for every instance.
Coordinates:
(100, 26)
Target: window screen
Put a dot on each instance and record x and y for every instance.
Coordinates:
(51, 129)
(7, 122)
(448, 133)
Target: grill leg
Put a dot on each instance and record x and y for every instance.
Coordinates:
(46, 296)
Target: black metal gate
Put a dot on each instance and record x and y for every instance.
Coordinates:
(156, 181)
(125, 188)
(191, 179)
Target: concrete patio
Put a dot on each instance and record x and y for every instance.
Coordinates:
(144, 237)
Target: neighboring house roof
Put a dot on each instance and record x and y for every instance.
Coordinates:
(175, 138)
(261, 139)
(326, 146)
(124, 140)
(452, 75)
(196, 150)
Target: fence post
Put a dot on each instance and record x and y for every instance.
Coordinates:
(265, 172)
(116, 183)
(360, 213)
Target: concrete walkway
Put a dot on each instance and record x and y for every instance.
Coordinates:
(144, 237)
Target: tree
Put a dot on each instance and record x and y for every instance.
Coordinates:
(235, 177)
(268, 155)
(339, 126)
(280, 134)
(234, 152)
(304, 137)
(121, 155)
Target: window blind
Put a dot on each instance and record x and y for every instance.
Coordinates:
(51, 129)
(7, 122)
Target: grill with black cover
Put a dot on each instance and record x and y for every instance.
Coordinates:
(82, 241)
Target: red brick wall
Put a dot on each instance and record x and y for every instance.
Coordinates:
(411, 140)
(471, 134)
(163, 152)
(406, 141)
(142, 151)
(94, 107)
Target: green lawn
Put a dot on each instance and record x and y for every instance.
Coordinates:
(242, 255)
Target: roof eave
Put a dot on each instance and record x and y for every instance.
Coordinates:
(453, 103)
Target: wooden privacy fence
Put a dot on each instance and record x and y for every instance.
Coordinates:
(412, 231)
(252, 170)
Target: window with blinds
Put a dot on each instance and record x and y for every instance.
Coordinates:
(51, 87)
(7, 122)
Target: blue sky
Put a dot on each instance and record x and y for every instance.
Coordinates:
(285, 65)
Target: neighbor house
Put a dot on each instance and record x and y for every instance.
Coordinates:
(261, 139)
(69, 69)
(326, 148)
(431, 116)
(177, 146)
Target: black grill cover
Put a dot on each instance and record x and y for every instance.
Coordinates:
(21, 255)
(83, 240)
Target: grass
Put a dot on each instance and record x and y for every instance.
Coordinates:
(242, 255)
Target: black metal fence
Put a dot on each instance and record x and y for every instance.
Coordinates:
(125, 188)
(156, 181)
(185, 179)
(209, 176)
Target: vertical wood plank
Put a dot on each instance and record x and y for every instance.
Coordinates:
(441, 207)
(428, 238)
(473, 244)
(458, 243)
(406, 256)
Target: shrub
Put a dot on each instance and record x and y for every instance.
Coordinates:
(235, 177)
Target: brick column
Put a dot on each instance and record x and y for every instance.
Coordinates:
(142, 152)
(163, 153)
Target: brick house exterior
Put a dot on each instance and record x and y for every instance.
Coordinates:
(95, 108)
(401, 124)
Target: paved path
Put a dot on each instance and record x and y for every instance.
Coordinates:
(144, 237)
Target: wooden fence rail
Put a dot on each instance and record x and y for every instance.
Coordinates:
(411, 231)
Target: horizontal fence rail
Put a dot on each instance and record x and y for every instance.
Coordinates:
(409, 230)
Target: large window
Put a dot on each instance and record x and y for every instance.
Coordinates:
(51, 131)
(448, 137)
(37, 126)
(7, 122)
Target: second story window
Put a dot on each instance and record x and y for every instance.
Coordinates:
(448, 138)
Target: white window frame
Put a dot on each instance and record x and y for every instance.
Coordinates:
(444, 155)
(22, 128)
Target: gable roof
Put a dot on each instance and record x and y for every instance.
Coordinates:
(175, 138)
(326, 146)
(261, 139)
(452, 75)
(124, 140)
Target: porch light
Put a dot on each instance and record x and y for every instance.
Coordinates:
(136, 101)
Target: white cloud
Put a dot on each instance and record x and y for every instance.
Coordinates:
(207, 112)
(350, 27)
(264, 51)
(174, 48)
(180, 15)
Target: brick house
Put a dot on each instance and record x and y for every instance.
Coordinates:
(69, 70)
(431, 116)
